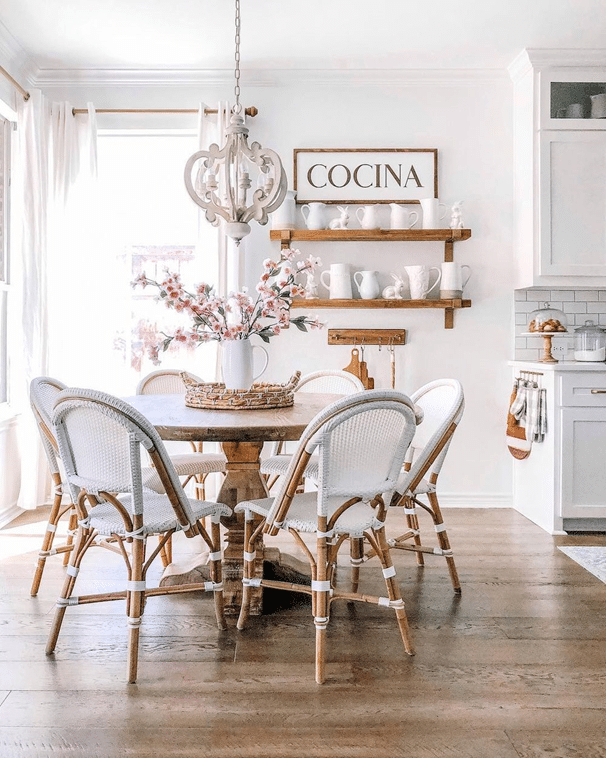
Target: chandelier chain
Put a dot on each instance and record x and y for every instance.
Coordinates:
(237, 106)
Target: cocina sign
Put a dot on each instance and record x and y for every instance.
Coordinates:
(390, 175)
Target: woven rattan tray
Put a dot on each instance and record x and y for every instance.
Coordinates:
(214, 396)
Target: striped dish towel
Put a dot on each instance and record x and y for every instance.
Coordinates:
(527, 418)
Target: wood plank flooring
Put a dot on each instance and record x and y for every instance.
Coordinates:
(513, 668)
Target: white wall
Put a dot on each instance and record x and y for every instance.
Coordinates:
(469, 121)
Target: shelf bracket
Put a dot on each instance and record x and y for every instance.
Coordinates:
(448, 251)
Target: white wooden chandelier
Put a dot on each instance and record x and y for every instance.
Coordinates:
(219, 179)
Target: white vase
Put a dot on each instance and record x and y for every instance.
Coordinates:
(237, 363)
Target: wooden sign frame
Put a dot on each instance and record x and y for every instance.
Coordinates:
(365, 175)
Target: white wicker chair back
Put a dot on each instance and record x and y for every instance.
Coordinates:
(100, 439)
(164, 382)
(442, 403)
(331, 382)
(43, 392)
(361, 441)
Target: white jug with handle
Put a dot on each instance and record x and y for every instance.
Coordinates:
(401, 217)
(454, 279)
(284, 217)
(418, 278)
(315, 218)
(368, 284)
(339, 284)
(369, 218)
(431, 213)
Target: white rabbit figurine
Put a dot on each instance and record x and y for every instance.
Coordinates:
(456, 217)
(342, 221)
(394, 292)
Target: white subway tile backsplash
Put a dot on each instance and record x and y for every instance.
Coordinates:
(586, 295)
(578, 305)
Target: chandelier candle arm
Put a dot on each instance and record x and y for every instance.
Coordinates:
(219, 179)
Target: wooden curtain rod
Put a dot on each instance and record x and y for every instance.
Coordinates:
(252, 111)
(15, 83)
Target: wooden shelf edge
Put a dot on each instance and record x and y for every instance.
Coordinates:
(370, 235)
(380, 303)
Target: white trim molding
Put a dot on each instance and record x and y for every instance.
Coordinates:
(475, 500)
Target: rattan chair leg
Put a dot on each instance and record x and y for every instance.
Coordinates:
(412, 521)
(136, 605)
(76, 556)
(320, 653)
(356, 552)
(71, 526)
(393, 590)
(216, 575)
(248, 573)
(443, 540)
(47, 543)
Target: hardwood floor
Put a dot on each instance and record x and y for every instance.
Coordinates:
(513, 668)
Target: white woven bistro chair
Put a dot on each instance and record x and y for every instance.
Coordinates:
(101, 439)
(360, 441)
(327, 381)
(43, 391)
(196, 464)
(442, 404)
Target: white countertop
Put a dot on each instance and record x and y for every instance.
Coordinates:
(560, 366)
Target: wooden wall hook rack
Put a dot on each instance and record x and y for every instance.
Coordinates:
(367, 337)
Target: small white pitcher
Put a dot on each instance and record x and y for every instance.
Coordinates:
(431, 213)
(454, 279)
(368, 216)
(368, 284)
(237, 363)
(401, 217)
(418, 277)
(339, 284)
(315, 218)
(284, 217)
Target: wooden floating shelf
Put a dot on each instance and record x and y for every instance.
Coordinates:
(371, 235)
(447, 305)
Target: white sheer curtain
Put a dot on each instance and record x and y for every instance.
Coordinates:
(54, 149)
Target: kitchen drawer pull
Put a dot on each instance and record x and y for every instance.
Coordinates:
(598, 392)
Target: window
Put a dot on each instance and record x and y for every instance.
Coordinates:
(149, 224)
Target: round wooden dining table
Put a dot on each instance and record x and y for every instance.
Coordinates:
(241, 434)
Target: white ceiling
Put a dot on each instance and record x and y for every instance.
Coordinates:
(297, 34)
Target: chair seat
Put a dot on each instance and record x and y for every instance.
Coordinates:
(277, 465)
(302, 514)
(159, 514)
(190, 464)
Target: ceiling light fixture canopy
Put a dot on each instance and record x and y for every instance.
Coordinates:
(219, 179)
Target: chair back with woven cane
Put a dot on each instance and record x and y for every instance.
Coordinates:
(189, 459)
(42, 393)
(442, 403)
(101, 439)
(360, 441)
(327, 381)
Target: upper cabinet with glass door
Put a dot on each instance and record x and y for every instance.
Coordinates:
(559, 168)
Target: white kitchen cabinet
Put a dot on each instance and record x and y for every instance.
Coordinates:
(561, 486)
(559, 170)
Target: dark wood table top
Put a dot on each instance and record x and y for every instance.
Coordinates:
(175, 421)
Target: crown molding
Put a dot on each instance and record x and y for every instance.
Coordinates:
(15, 60)
(538, 58)
(115, 78)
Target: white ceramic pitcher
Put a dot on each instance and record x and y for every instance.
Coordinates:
(418, 278)
(368, 284)
(598, 106)
(339, 284)
(237, 363)
(368, 216)
(315, 218)
(401, 217)
(284, 217)
(454, 279)
(432, 214)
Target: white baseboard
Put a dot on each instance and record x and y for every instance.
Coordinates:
(475, 500)
(10, 515)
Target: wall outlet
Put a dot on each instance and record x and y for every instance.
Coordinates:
(559, 350)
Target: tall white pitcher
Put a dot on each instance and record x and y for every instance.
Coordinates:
(454, 279)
